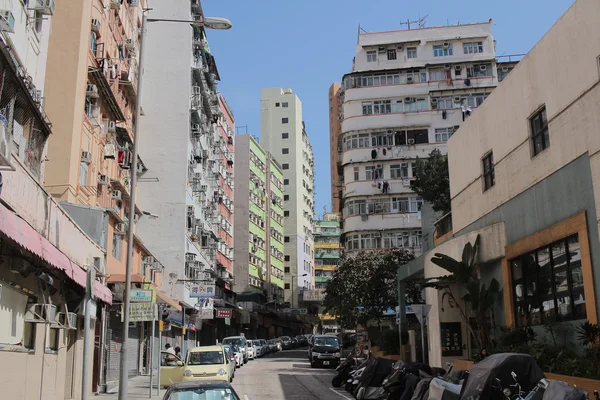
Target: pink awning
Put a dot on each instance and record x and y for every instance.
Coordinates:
(21, 232)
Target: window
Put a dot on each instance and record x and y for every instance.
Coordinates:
(391, 54)
(14, 329)
(416, 104)
(116, 246)
(286, 239)
(437, 74)
(442, 103)
(475, 100)
(411, 52)
(416, 76)
(540, 136)
(285, 120)
(399, 171)
(367, 107)
(473, 47)
(443, 134)
(356, 174)
(415, 136)
(286, 270)
(286, 181)
(287, 285)
(285, 166)
(442, 50)
(547, 284)
(286, 197)
(83, 173)
(285, 151)
(479, 70)
(371, 56)
(52, 339)
(286, 258)
(488, 171)
(284, 105)
(286, 213)
(276, 104)
(285, 135)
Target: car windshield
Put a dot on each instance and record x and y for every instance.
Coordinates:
(326, 341)
(256, 343)
(236, 341)
(286, 338)
(206, 358)
(203, 394)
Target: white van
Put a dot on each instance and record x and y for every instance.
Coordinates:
(241, 342)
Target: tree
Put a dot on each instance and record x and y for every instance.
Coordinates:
(364, 286)
(432, 181)
(464, 283)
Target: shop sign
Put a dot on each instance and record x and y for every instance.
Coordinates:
(140, 312)
(140, 296)
(202, 291)
(205, 314)
(224, 313)
(205, 308)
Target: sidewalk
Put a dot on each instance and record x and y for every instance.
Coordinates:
(139, 388)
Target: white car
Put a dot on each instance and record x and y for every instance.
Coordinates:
(239, 357)
(250, 351)
(257, 345)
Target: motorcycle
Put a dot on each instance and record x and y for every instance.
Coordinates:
(343, 371)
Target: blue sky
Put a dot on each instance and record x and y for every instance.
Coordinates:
(308, 44)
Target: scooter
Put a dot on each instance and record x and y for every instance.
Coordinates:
(343, 371)
(520, 394)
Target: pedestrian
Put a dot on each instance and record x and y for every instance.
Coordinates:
(483, 354)
(178, 351)
(170, 358)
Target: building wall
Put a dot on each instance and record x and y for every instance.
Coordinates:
(241, 222)
(334, 145)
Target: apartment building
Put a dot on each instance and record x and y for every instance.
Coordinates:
(408, 92)
(524, 177)
(187, 146)
(284, 136)
(335, 145)
(46, 257)
(258, 222)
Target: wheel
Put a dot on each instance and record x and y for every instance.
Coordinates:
(312, 364)
(337, 381)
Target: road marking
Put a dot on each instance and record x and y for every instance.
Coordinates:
(336, 392)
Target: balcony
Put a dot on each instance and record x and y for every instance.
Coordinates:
(384, 121)
(379, 222)
(369, 188)
(394, 153)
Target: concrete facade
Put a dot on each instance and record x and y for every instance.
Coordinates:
(258, 222)
(335, 146)
(283, 135)
(407, 94)
(543, 193)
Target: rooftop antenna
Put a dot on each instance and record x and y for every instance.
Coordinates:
(241, 128)
(420, 22)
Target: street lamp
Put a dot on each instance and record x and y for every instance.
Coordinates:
(295, 276)
(210, 23)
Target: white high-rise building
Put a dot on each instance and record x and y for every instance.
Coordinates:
(408, 92)
(283, 134)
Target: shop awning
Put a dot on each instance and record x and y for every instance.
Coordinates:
(25, 236)
(167, 300)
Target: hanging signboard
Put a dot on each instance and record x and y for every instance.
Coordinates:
(206, 308)
(140, 312)
(202, 291)
(224, 313)
(140, 296)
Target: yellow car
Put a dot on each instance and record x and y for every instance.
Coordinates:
(206, 363)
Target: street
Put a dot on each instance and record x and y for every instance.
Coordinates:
(285, 375)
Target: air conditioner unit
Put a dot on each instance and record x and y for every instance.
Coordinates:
(120, 228)
(457, 99)
(409, 79)
(406, 183)
(103, 179)
(382, 49)
(197, 176)
(447, 67)
(96, 25)
(408, 100)
(116, 195)
(115, 4)
(203, 188)
(400, 48)
(110, 151)
(456, 127)
(434, 100)
(446, 45)
(204, 153)
(43, 7)
(129, 44)
(66, 320)
(6, 143)
(482, 67)
(86, 157)
(7, 21)
(411, 141)
(148, 260)
(504, 69)
(91, 90)
(190, 257)
(40, 313)
(112, 126)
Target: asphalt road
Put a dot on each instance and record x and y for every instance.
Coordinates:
(285, 375)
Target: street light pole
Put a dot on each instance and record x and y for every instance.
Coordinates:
(123, 379)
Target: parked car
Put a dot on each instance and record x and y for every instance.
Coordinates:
(257, 348)
(202, 363)
(286, 342)
(295, 343)
(324, 350)
(265, 346)
(239, 357)
(278, 344)
(250, 350)
(241, 342)
(272, 346)
(231, 357)
(209, 390)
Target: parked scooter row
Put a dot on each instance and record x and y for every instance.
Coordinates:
(499, 377)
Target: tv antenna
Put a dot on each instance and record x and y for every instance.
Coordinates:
(420, 22)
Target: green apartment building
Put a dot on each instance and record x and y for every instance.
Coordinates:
(258, 221)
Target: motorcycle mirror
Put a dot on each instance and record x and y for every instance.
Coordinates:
(512, 373)
(507, 393)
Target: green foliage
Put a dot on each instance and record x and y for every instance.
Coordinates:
(515, 337)
(414, 293)
(432, 181)
(588, 334)
(464, 283)
(390, 342)
(364, 286)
